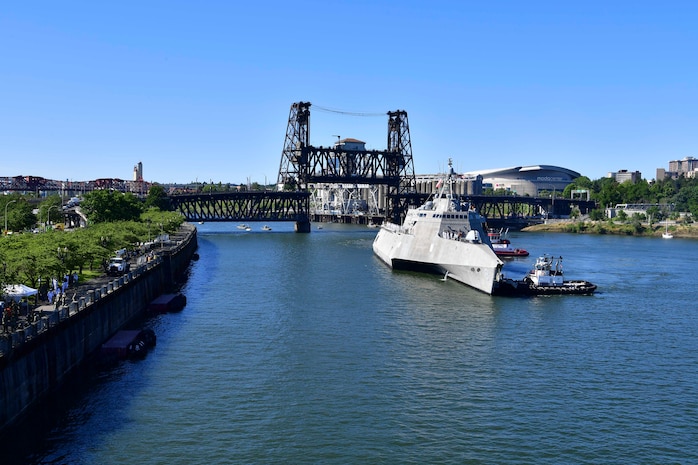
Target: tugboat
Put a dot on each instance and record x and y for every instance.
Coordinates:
(444, 236)
(502, 246)
(546, 278)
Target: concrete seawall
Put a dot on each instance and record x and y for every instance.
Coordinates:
(35, 360)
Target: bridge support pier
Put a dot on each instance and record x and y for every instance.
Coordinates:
(302, 226)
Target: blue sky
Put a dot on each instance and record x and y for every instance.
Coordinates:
(202, 90)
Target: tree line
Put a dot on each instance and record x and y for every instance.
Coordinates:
(115, 221)
(670, 195)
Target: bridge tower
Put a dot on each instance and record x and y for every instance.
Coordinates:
(297, 138)
(293, 158)
(399, 166)
(304, 166)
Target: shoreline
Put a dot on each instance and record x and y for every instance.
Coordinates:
(38, 359)
(678, 230)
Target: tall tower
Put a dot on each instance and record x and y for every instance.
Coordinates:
(138, 172)
(297, 138)
(400, 165)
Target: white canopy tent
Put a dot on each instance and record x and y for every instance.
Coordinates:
(17, 292)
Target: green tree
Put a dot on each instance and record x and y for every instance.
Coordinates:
(19, 213)
(157, 197)
(3, 269)
(110, 206)
(580, 183)
(653, 213)
(634, 192)
(153, 218)
(29, 256)
(606, 193)
(50, 209)
(597, 214)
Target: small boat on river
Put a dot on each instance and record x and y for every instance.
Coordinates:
(546, 278)
(666, 234)
(502, 246)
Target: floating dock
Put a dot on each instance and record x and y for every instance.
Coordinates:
(168, 303)
(128, 343)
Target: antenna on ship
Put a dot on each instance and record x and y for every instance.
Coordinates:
(451, 174)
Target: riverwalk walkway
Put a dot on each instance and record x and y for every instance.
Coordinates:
(29, 313)
(34, 319)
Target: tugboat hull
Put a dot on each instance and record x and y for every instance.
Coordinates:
(510, 287)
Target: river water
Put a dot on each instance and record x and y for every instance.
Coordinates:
(304, 348)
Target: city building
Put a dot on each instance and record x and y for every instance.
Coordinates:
(138, 172)
(526, 180)
(686, 167)
(631, 209)
(625, 175)
(350, 144)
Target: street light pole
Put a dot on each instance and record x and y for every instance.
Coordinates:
(48, 221)
(7, 205)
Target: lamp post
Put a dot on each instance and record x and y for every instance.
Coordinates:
(48, 213)
(7, 205)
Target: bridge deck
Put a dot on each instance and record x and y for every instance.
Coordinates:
(295, 206)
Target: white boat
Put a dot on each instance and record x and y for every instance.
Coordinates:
(443, 236)
(244, 227)
(266, 228)
(666, 234)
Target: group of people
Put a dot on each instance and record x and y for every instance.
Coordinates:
(58, 298)
(56, 294)
(10, 315)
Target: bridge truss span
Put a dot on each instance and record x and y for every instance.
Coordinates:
(332, 165)
(244, 206)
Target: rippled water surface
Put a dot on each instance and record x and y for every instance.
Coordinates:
(304, 348)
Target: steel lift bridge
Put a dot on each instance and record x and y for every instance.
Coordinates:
(303, 167)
